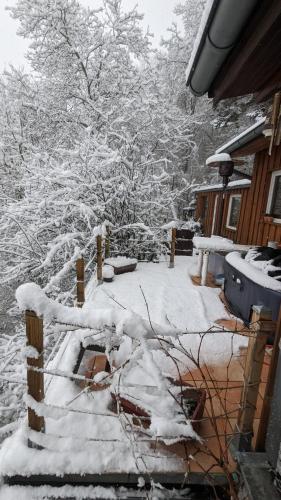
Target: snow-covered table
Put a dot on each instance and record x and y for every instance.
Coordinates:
(214, 244)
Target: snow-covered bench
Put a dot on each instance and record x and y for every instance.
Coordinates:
(214, 244)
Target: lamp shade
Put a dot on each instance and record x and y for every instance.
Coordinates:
(215, 160)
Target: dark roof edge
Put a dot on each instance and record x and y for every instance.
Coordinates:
(214, 41)
(244, 138)
(233, 185)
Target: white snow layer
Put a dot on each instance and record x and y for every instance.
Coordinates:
(212, 243)
(233, 184)
(107, 272)
(120, 261)
(83, 435)
(219, 157)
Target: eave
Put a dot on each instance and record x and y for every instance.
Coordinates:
(250, 63)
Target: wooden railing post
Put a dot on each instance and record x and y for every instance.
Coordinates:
(261, 326)
(269, 388)
(173, 248)
(99, 258)
(35, 380)
(107, 243)
(80, 266)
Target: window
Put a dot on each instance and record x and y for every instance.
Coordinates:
(233, 211)
(274, 198)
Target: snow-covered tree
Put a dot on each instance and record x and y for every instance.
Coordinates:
(99, 139)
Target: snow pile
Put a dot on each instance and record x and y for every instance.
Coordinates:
(171, 225)
(252, 271)
(81, 426)
(219, 157)
(107, 272)
(191, 225)
(214, 187)
(31, 297)
(120, 261)
(212, 243)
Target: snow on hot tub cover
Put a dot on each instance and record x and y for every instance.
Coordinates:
(235, 259)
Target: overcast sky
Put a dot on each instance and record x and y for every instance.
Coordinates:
(158, 15)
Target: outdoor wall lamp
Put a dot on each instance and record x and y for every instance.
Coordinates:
(225, 165)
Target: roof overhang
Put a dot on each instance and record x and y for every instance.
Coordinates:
(240, 184)
(249, 142)
(237, 50)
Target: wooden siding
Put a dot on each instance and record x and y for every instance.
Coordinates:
(251, 228)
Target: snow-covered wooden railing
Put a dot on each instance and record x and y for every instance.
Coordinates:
(37, 306)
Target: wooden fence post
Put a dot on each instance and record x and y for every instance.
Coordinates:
(173, 248)
(269, 388)
(261, 325)
(99, 258)
(107, 243)
(35, 380)
(80, 267)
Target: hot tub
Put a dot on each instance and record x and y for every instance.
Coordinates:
(245, 286)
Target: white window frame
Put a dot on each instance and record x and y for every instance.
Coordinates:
(232, 196)
(276, 173)
(215, 213)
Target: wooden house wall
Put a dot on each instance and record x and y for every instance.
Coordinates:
(251, 228)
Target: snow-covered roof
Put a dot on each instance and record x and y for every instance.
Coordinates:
(242, 138)
(241, 183)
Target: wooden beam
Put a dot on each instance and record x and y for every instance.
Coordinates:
(107, 243)
(261, 325)
(269, 389)
(80, 285)
(35, 380)
(168, 479)
(99, 259)
(173, 248)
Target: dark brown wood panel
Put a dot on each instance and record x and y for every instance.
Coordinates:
(252, 229)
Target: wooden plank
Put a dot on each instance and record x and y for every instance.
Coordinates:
(168, 479)
(80, 286)
(260, 175)
(99, 258)
(244, 194)
(261, 323)
(35, 380)
(107, 243)
(173, 248)
(269, 390)
(258, 210)
(250, 198)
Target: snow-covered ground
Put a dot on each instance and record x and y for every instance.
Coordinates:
(82, 434)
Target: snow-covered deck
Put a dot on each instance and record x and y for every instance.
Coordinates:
(83, 437)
